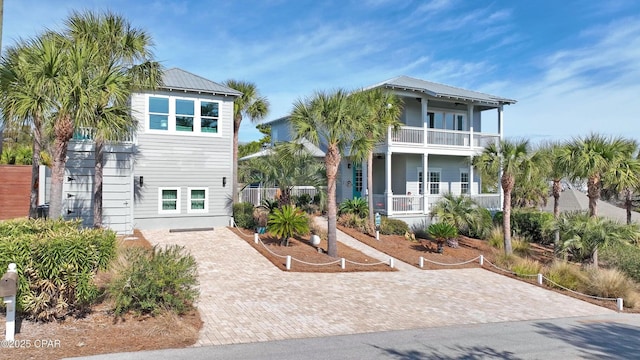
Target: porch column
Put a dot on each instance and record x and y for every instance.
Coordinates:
(472, 188)
(470, 117)
(500, 132)
(425, 121)
(425, 190)
(388, 193)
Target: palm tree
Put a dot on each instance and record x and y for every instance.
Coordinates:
(29, 76)
(123, 65)
(624, 179)
(594, 157)
(513, 159)
(327, 117)
(380, 110)
(552, 164)
(251, 105)
(460, 211)
(287, 166)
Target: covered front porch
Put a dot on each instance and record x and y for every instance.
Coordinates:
(401, 186)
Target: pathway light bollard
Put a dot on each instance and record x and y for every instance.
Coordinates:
(342, 263)
(539, 279)
(421, 262)
(619, 304)
(288, 262)
(8, 290)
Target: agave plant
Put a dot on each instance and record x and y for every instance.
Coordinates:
(442, 232)
(287, 221)
(357, 206)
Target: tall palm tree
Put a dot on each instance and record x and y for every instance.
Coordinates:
(123, 64)
(327, 117)
(593, 157)
(379, 110)
(513, 159)
(251, 105)
(624, 179)
(29, 77)
(552, 163)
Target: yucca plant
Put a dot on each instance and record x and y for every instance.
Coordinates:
(442, 232)
(287, 221)
(357, 206)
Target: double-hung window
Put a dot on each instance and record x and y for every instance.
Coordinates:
(434, 182)
(198, 200)
(169, 200)
(208, 117)
(464, 182)
(158, 113)
(184, 115)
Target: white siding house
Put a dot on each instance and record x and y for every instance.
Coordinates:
(443, 127)
(175, 173)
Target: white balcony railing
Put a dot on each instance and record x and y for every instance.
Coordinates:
(411, 135)
(87, 134)
(414, 204)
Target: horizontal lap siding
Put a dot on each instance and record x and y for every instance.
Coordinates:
(184, 161)
(15, 185)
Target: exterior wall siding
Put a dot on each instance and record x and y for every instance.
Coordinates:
(183, 161)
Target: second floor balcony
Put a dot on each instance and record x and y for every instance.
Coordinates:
(423, 137)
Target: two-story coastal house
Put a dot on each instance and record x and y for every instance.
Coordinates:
(175, 173)
(443, 127)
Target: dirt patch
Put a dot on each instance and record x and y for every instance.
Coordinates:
(301, 249)
(100, 332)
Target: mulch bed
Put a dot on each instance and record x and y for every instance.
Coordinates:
(300, 248)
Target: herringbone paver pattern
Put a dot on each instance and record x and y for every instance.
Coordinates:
(244, 298)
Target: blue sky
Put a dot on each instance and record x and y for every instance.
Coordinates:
(573, 66)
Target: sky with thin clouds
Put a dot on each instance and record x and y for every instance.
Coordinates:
(573, 66)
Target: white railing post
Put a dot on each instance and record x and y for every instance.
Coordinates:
(10, 301)
(255, 237)
(481, 260)
(342, 263)
(421, 262)
(619, 304)
(540, 279)
(391, 263)
(288, 264)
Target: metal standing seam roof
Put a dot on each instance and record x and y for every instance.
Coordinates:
(181, 80)
(441, 90)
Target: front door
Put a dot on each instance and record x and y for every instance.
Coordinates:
(357, 180)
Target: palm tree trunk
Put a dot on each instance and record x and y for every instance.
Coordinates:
(370, 189)
(98, 177)
(594, 257)
(557, 188)
(332, 161)
(234, 180)
(507, 187)
(628, 204)
(35, 169)
(593, 192)
(63, 130)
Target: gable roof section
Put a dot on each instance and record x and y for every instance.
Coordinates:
(309, 146)
(441, 90)
(176, 79)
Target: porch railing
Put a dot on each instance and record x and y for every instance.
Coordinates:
(412, 135)
(413, 204)
(257, 195)
(88, 134)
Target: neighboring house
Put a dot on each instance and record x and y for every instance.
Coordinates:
(175, 173)
(443, 127)
(572, 199)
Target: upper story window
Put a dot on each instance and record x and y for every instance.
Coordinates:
(177, 115)
(158, 113)
(447, 121)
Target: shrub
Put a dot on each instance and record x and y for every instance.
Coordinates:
(357, 206)
(625, 257)
(443, 232)
(243, 215)
(355, 222)
(496, 237)
(57, 261)
(526, 267)
(609, 283)
(302, 200)
(532, 225)
(520, 246)
(481, 224)
(506, 261)
(566, 274)
(154, 280)
(288, 221)
(393, 226)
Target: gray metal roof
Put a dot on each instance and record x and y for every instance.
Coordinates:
(310, 147)
(572, 199)
(180, 80)
(441, 90)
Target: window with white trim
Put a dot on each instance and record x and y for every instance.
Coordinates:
(434, 182)
(183, 115)
(198, 200)
(447, 120)
(209, 116)
(158, 113)
(169, 200)
(464, 181)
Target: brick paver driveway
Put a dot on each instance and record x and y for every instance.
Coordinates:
(244, 298)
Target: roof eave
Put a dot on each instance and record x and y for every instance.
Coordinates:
(200, 91)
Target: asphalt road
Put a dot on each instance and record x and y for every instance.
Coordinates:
(614, 336)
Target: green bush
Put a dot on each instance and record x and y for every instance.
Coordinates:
(610, 283)
(481, 224)
(302, 200)
(355, 222)
(526, 267)
(153, 280)
(286, 222)
(393, 226)
(243, 215)
(566, 275)
(625, 257)
(357, 206)
(532, 225)
(57, 261)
